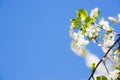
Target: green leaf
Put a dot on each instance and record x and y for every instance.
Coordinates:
(76, 22)
(101, 78)
(87, 25)
(82, 13)
(88, 20)
(98, 13)
(92, 65)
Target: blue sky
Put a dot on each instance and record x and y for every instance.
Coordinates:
(35, 42)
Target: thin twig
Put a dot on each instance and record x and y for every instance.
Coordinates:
(106, 67)
(93, 78)
(103, 58)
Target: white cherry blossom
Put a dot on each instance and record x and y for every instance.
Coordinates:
(104, 24)
(79, 50)
(89, 32)
(113, 19)
(92, 31)
(119, 17)
(94, 13)
(114, 74)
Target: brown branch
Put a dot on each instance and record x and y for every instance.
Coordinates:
(103, 58)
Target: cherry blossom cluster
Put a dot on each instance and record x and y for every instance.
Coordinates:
(91, 28)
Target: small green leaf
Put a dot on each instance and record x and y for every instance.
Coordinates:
(92, 65)
(76, 22)
(101, 78)
(88, 20)
(98, 13)
(87, 25)
(82, 13)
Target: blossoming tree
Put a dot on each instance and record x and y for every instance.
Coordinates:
(85, 29)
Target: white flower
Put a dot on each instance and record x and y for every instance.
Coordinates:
(97, 29)
(79, 43)
(119, 17)
(89, 32)
(92, 31)
(113, 19)
(75, 36)
(71, 30)
(109, 40)
(82, 42)
(78, 49)
(104, 24)
(110, 36)
(114, 74)
(108, 43)
(80, 34)
(94, 13)
(116, 58)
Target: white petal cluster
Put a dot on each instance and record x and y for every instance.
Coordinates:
(79, 43)
(116, 59)
(114, 74)
(105, 24)
(94, 13)
(115, 19)
(108, 40)
(92, 31)
(119, 17)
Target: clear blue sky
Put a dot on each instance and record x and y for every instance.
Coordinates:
(35, 42)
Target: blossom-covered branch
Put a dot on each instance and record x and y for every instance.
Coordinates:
(104, 57)
(85, 29)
